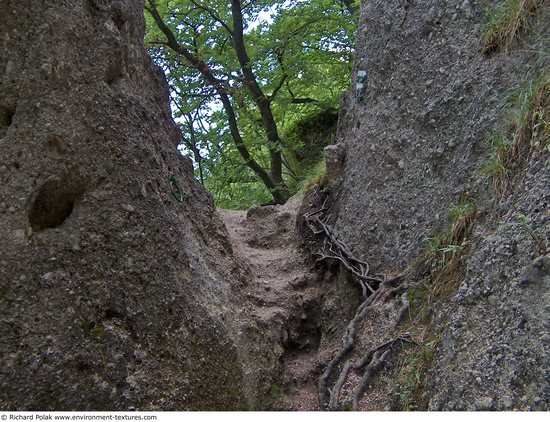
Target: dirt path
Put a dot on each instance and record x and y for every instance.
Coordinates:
(281, 293)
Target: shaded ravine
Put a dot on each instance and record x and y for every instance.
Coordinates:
(282, 296)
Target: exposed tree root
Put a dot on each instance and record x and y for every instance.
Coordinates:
(376, 359)
(336, 249)
(402, 311)
(335, 392)
(348, 341)
(372, 362)
(375, 288)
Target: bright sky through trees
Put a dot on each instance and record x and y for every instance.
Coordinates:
(242, 76)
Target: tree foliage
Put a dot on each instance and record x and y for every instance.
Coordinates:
(248, 61)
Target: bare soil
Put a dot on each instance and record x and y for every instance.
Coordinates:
(282, 293)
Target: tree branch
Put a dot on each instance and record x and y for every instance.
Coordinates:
(277, 88)
(351, 6)
(303, 100)
(214, 82)
(213, 15)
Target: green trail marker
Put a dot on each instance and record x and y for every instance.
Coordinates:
(176, 189)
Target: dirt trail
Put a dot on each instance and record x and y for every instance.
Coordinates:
(282, 294)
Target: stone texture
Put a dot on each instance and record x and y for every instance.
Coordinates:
(415, 142)
(334, 161)
(496, 343)
(113, 295)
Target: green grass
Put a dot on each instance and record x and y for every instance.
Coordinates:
(505, 22)
(528, 131)
(442, 265)
(497, 167)
(441, 251)
(315, 176)
(531, 116)
(413, 368)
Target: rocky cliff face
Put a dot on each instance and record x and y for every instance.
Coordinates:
(430, 100)
(118, 287)
(120, 290)
(415, 125)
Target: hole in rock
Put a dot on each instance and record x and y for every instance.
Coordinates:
(6, 116)
(55, 145)
(83, 366)
(54, 202)
(111, 313)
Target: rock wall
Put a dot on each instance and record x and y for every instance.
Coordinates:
(417, 136)
(414, 126)
(494, 352)
(113, 293)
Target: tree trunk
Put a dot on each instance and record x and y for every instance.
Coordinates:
(273, 182)
(262, 102)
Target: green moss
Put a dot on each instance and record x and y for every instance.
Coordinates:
(98, 332)
(215, 374)
(274, 395)
(306, 139)
(315, 176)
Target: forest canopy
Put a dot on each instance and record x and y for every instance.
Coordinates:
(254, 87)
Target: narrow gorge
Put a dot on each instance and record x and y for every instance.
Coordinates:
(415, 275)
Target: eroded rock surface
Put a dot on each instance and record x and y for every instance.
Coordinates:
(113, 294)
(495, 350)
(415, 127)
(417, 138)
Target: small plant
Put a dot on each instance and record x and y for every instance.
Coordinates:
(414, 367)
(440, 251)
(497, 167)
(98, 332)
(461, 217)
(505, 22)
(535, 234)
(531, 122)
(442, 260)
(315, 176)
(442, 254)
(524, 223)
(529, 130)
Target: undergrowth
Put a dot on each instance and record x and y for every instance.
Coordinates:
(443, 266)
(316, 175)
(505, 22)
(443, 253)
(528, 132)
(414, 366)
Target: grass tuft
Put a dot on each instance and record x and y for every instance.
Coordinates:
(443, 264)
(315, 176)
(414, 366)
(505, 22)
(442, 251)
(529, 131)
